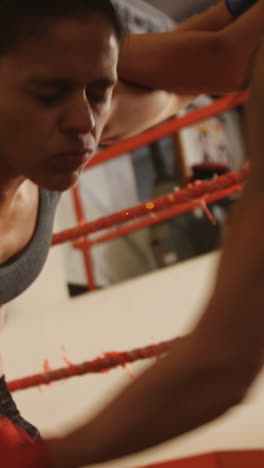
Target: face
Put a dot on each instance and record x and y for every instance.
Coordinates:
(55, 98)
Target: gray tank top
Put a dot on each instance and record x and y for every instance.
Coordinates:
(18, 274)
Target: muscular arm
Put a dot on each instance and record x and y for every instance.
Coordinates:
(148, 107)
(214, 19)
(136, 109)
(204, 375)
(194, 61)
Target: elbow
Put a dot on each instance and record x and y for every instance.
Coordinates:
(226, 376)
(226, 391)
(238, 382)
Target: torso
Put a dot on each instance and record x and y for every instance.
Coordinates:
(18, 224)
(25, 240)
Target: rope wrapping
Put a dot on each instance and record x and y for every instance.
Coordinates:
(182, 200)
(107, 362)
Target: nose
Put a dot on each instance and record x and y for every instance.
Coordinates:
(79, 117)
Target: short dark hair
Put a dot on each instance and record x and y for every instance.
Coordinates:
(22, 19)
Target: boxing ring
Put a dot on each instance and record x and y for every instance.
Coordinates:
(153, 211)
(201, 193)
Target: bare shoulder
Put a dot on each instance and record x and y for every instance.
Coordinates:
(19, 221)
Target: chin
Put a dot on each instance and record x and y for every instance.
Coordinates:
(59, 182)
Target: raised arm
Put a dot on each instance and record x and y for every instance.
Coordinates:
(148, 107)
(135, 109)
(213, 19)
(205, 56)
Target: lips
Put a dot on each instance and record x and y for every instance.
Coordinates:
(71, 159)
(75, 152)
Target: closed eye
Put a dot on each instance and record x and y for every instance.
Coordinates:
(51, 92)
(100, 91)
(49, 99)
(98, 98)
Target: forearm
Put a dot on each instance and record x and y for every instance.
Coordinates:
(179, 393)
(239, 322)
(215, 18)
(194, 62)
(184, 63)
(204, 374)
(2, 318)
(239, 283)
(136, 109)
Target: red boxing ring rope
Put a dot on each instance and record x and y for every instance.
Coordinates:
(173, 125)
(198, 194)
(182, 200)
(169, 213)
(86, 250)
(109, 361)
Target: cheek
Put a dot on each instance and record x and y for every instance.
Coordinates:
(23, 137)
(102, 120)
(11, 129)
(15, 120)
(25, 127)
